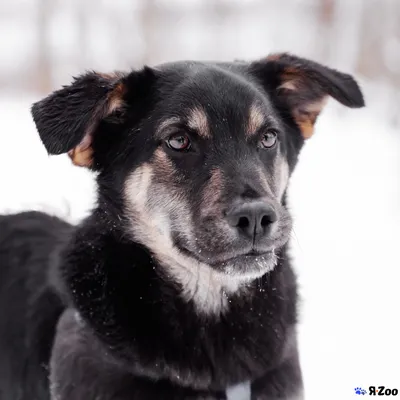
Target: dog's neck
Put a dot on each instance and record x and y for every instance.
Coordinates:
(114, 283)
(208, 289)
(199, 283)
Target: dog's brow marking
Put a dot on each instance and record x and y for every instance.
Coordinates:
(256, 119)
(198, 121)
(167, 123)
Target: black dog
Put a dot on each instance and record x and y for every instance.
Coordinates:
(178, 286)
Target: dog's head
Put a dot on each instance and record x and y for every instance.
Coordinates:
(193, 158)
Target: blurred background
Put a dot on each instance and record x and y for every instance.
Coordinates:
(345, 193)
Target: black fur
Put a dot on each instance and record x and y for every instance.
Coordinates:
(125, 330)
(63, 116)
(29, 305)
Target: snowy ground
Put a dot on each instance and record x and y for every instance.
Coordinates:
(345, 196)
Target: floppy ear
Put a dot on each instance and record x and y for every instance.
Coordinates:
(303, 86)
(67, 119)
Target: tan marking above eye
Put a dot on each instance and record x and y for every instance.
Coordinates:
(198, 121)
(166, 124)
(256, 120)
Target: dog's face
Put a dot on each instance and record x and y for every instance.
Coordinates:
(194, 158)
(215, 172)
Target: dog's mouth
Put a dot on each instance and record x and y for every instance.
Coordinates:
(252, 262)
(251, 256)
(238, 263)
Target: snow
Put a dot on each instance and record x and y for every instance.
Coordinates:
(29, 177)
(345, 197)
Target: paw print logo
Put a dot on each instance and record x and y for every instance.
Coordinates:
(359, 390)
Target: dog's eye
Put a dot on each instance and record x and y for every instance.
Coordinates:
(179, 142)
(268, 140)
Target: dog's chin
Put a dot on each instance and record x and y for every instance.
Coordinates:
(240, 266)
(250, 265)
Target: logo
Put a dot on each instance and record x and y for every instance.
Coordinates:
(376, 391)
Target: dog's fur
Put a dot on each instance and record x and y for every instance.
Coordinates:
(158, 295)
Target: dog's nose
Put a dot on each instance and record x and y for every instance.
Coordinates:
(251, 219)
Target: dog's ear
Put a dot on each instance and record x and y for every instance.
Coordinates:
(303, 87)
(68, 118)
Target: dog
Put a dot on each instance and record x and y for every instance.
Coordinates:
(178, 285)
